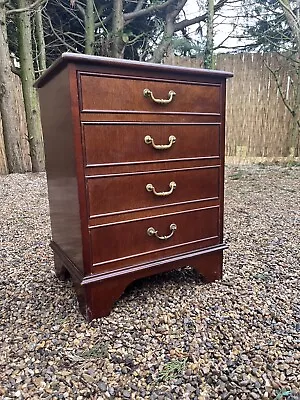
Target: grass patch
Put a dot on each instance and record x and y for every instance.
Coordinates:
(236, 175)
(262, 276)
(97, 351)
(281, 163)
(285, 394)
(172, 370)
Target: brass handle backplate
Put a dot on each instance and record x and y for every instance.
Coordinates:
(149, 140)
(151, 188)
(152, 232)
(171, 94)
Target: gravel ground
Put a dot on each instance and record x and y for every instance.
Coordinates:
(169, 337)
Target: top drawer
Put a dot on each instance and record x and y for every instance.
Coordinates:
(128, 95)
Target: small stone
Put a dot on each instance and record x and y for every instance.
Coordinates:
(224, 396)
(224, 378)
(282, 377)
(102, 386)
(88, 378)
(190, 388)
(126, 394)
(244, 383)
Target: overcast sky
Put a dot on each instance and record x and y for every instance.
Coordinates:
(224, 24)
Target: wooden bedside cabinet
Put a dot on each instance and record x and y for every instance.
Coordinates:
(135, 169)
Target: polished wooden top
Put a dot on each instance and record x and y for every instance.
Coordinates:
(115, 62)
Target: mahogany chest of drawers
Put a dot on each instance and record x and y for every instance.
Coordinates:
(135, 164)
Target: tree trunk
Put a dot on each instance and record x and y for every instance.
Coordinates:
(117, 29)
(293, 20)
(161, 50)
(172, 12)
(9, 115)
(29, 92)
(209, 46)
(296, 111)
(89, 22)
(3, 159)
(41, 48)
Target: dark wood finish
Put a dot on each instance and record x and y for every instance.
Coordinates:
(110, 194)
(107, 291)
(61, 166)
(129, 68)
(120, 94)
(124, 143)
(95, 119)
(193, 227)
(146, 116)
(152, 165)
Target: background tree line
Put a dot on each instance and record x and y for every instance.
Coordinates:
(34, 33)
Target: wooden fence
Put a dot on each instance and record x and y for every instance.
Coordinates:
(258, 123)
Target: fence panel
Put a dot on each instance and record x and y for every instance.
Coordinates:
(258, 123)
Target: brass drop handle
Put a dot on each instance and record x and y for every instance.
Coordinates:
(149, 140)
(152, 232)
(171, 94)
(151, 188)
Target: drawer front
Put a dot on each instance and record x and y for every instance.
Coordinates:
(130, 240)
(111, 194)
(107, 94)
(136, 143)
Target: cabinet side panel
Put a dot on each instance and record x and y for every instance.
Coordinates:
(60, 156)
(222, 158)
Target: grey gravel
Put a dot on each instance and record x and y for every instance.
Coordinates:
(234, 339)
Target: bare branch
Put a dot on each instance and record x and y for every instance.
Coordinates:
(178, 8)
(227, 37)
(70, 11)
(148, 10)
(185, 23)
(279, 87)
(59, 38)
(81, 10)
(288, 9)
(139, 5)
(16, 70)
(28, 8)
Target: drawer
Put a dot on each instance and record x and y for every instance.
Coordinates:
(137, 143)
(103, 93)
(121, 193)
(136, 239)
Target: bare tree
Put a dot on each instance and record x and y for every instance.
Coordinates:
(209, 47)
(113, 29)
(279, 31)
(10, 121)
(27, 74)
(40, 41)
(292, 16)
